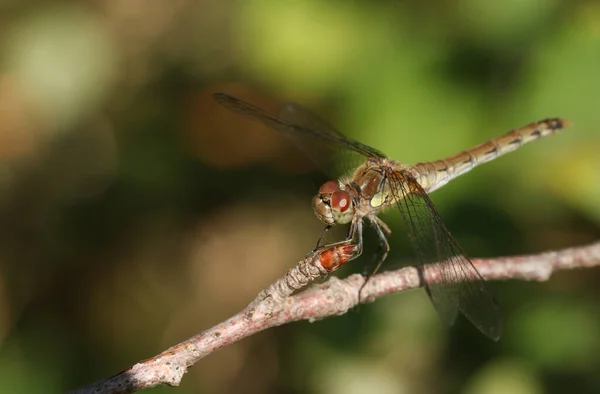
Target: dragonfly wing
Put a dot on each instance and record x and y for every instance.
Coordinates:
(329, 149)
(333, 159)
(450, 278)
(303, 117)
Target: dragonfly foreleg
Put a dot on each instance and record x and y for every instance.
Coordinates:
(355, 237)
(323, 233)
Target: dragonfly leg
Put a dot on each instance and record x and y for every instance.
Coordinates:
(383, 245)
(355, 236)
(359, 237)
(382, 225)
(384, 249)
(323, 233)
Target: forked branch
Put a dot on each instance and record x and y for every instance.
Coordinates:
(276, 306)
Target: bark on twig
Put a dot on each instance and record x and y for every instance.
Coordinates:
(275, 306)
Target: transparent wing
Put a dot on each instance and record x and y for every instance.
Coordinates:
(451, 280)
(331, 151)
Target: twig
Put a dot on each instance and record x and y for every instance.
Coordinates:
(274, 306)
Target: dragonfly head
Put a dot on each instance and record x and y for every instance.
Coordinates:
(333, 205)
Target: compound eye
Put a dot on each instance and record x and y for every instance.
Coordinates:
(329, 187)
(341, 200)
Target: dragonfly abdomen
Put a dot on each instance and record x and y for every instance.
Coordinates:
(434, 175)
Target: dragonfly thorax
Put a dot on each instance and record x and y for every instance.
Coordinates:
(333, 205)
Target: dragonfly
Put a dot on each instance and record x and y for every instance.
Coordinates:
(366, 182)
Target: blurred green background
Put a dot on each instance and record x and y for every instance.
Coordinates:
(135, 212)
